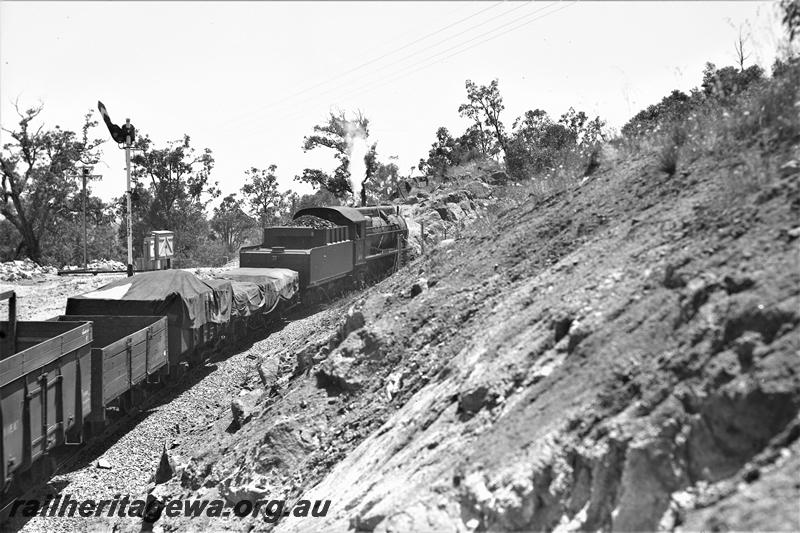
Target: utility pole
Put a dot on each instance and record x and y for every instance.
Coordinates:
(84, 175)
(128, 194)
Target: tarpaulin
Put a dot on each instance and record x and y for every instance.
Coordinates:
(276, 281)
(188, 301)
(248, 298)
(223, 296)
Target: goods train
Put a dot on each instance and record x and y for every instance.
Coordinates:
(59, 378)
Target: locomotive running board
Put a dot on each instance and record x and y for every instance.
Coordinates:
(382, 254)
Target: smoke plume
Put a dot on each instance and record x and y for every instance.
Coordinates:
(357, 149)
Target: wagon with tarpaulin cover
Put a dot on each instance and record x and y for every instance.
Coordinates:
(195, 309)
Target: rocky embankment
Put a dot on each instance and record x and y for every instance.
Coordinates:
(443, 210)
(621, 354)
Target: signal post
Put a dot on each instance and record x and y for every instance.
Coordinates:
(129, 223)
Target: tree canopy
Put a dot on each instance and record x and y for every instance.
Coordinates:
(483, 107)
(265, 202)
(171, 190)
(231, 223)
(40, 176)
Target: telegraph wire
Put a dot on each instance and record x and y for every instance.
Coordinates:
(422, 67)
(323, 94)
(407, 72)
(367, 63)
(490, 38)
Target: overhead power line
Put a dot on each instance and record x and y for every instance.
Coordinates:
(313, 98)
(434, 59)
(366, 63)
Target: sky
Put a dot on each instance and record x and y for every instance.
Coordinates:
(250, 79)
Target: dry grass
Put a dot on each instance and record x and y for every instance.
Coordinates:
(751, 134)
(671, 147)
(752, 129)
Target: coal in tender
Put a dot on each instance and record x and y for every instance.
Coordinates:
(310, 221)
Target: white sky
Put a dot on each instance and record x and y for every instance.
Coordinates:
(250, 79)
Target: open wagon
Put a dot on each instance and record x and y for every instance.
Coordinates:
(126, 351)
(45, 388)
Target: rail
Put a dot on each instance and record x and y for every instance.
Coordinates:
(95, 272)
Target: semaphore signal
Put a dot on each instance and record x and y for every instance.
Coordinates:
(123, 134)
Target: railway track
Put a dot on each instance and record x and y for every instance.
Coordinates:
(128, 418)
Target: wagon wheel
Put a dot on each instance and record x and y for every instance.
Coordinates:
(315, 296)
(126, 402)
(372, 276)
(239, 331)
(324, 297)
(175, 375)
(310, 297)
(251, 323)
(265, 320)
(169, 379)
(45, 467)
(216, 348)
(135, 398)
(201, 355)
(361, 280)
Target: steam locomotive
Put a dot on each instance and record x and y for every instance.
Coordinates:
(363, 243)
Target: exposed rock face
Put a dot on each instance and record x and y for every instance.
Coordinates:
(237, 412)
(498, 178)
(444, 214)
(478, 190)
(338, 372)
(347, 366)
(269, 371)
